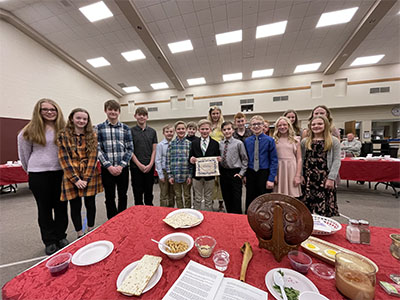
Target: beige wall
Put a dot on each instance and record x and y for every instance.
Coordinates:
(29, 72)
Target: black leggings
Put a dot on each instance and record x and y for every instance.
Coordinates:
(76, 207)
(46, 188)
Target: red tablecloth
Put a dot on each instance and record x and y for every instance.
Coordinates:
(12, 175)
(131, 231)
(367, 170)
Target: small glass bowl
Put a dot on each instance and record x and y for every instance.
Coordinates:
(205, 245)
(323, 271)
(59, 264)
(300, 261)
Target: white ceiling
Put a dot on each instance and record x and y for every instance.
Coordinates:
(199, 20)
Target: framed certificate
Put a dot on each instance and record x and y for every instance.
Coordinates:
(207, 166)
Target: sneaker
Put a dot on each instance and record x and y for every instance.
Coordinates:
(62, 243)
(50, 249)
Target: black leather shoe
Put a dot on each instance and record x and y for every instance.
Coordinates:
(50, 249)
(62, 243)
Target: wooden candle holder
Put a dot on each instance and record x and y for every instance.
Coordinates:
(277, 244)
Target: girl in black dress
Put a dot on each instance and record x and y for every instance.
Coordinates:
(321, 163)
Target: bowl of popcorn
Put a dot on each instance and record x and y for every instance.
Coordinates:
(205, 245)
(179, 244)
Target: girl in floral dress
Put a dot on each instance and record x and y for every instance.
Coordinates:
(321, 163)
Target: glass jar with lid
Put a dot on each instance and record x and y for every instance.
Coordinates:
(353, 232)
(365, 233)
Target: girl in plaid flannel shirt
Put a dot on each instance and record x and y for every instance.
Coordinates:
(77, 154)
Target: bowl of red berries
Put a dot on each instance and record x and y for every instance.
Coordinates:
(59, 264)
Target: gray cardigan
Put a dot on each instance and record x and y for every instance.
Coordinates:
(333, 157)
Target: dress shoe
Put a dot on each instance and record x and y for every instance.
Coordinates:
(50, 249)
(62, 243)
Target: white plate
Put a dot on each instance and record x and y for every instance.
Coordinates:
(153, 281)
(92, 253)
(292, 279)
(193, 212)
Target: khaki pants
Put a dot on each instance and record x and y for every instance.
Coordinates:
(178, 188)
(203, 186)
(166, 192)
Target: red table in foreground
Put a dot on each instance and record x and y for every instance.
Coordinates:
(131, 231)
(370, 170)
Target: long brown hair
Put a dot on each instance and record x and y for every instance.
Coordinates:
(328, 114)
(327, 134)
(295, 125)
(34, 131)
(91, 139)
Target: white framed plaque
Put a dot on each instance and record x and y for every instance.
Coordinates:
(207, 166)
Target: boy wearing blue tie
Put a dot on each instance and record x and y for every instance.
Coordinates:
(263, 161)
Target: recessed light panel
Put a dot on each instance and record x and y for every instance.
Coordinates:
(262, 73)
(196, 81)
(131, 89)
(367, 60)
(229, 37)
(159, 85)
(336, 17)
(133, 55)
(98, 62)
(233, 76)
(96, 11)
(307, 67)
(271, 29)
(180, 46)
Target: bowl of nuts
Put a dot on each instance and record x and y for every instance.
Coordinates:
(179, 244)
(205, 245)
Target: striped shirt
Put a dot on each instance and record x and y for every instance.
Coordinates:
(178, 166)
(115, 144)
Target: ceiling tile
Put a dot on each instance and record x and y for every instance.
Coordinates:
(204, 16)
(171, 8)
(234, 9)
(186, 6)
(219, 13)
(157, 12)
(190, 20)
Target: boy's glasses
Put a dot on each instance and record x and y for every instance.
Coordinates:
(46, 110)
(257, 124)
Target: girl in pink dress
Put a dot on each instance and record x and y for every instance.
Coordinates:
(288, 148)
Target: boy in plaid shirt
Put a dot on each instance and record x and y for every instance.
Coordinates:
(115, 151)
(179, 169)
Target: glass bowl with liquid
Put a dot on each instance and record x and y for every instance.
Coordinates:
(355, 276)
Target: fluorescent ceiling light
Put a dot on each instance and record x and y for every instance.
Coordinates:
(131, 89)
(271, 29)
(307, 67)
(196, 81)
(367, 60)
(133, 55)
(262, 73)
(229, 37)
(159, 85)
(180, 46)
(233, 76)
(98, 62)
(96, 11)
(336, 17)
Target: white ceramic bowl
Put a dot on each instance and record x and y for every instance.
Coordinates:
(312, 296)
(176, 236)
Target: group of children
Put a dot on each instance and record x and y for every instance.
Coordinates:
(61, 160)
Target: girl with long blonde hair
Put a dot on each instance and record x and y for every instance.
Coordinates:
(216, 118)
(288, 178)
(37, 151)
(321, 163)
(77, 154)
